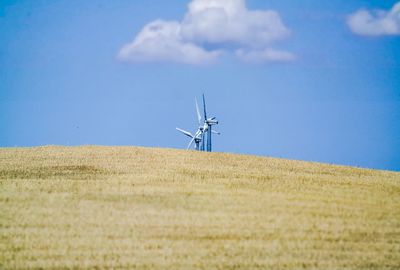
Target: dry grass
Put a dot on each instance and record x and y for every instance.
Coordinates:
(143, 208)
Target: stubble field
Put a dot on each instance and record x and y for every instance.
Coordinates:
(148, 208)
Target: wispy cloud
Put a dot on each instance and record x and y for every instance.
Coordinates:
(220, 24)
(375, 23)
(265, 55)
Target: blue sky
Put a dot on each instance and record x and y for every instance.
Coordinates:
(326, 88)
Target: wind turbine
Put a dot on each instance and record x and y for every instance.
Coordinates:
(197, 137)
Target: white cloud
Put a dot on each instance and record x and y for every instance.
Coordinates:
(161, 41)
(221, 24)
(376, 23)
(229, 21)
(265, 55)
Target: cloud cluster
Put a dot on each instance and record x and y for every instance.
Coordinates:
(223, 25)
(375, 23)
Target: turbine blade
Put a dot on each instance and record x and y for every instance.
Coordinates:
(187, 133)
(216, 132)
(190, 143)
(198, 134)
(204, 106)
(198, 111)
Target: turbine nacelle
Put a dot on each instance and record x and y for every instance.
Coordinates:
(212, 121)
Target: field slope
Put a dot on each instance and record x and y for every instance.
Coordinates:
(147, 208)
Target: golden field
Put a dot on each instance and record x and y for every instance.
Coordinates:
(148, 208)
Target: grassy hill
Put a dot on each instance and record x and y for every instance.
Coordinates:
(147, 208)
